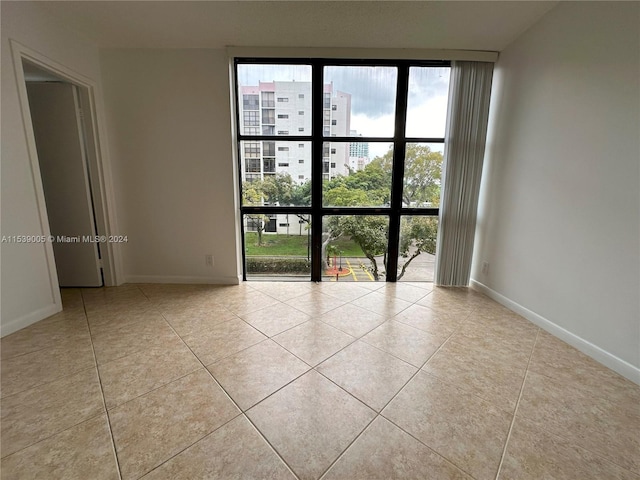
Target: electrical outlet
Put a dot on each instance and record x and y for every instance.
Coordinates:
(208, 260)
(485, 268)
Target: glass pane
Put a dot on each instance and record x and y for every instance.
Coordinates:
(422, 175)
(276, 173)
(354, 247)
(274, 99)
(359, 101)
(417, 252)
(356, 181)
(427, 101)
(278, 246)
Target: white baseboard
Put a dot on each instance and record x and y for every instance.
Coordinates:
(30, 318)
(609, 360)
(181, 279)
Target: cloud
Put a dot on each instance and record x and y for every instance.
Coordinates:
(372, 89)
(428, 118)
(252, 74)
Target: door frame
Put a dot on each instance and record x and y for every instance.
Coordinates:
(97, 156)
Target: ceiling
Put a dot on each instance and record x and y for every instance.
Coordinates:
(472, 25)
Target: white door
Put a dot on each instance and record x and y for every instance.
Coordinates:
(57, 125)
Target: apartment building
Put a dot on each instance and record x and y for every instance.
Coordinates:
(284, 108)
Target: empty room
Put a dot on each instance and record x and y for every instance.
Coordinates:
(320, 240)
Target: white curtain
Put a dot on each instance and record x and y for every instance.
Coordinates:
(465, 137)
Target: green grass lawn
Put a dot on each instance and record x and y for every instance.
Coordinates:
(278, 245)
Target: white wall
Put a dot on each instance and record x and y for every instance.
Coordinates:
(169, 123)
(559, 218)
(26, 293)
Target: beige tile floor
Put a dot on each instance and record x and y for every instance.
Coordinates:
(297, 380)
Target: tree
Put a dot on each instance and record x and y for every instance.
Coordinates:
(417, 235)
(422, 174)
(371, 187)
(345, 197)
(253, 195)
(370, 232)
(301, 194)
(278, 189)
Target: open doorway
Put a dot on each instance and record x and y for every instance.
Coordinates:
(60, 113)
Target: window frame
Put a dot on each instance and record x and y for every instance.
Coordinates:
(318, 136)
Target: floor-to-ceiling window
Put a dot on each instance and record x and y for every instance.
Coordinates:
(340, 166)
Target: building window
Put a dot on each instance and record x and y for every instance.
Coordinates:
(251, 130)
(269, 165)
(301, 129)
(268, 116)
(283, 115)
(301, 95)
(300, 112)
(250, 102)
(283, 132)
(334, 107)
(268, 130)
(251, 118)
(252, 165)
(268, 99)
(283, 224)
(326, 100)
(301, 145)
(300, 177)
(283, 164)
(333, 151)
(333, 164)
(301, 160)
(333, 122)
(269, 149)
(283, 149)
(252, 150)
(283, 99)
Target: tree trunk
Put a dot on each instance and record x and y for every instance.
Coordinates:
(374, 264)
(404, 267)
(323, 251)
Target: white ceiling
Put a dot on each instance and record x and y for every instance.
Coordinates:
(467, 25)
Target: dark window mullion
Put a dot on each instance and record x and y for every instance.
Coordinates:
(397, 173)
(239, 154)
(317, 91)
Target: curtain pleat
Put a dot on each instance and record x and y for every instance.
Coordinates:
(465, 138)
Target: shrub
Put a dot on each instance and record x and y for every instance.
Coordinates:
(278, 265)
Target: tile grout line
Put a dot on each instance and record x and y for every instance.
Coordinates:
(242, 412)
(54, 434)
(379, 413)
(515, 412)
(448, 460)
(104, 402)
(267, 337)
(314, 368)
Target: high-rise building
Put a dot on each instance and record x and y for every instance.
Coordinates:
(358, 153)
(284, 108)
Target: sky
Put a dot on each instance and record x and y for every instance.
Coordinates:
(373, 91)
